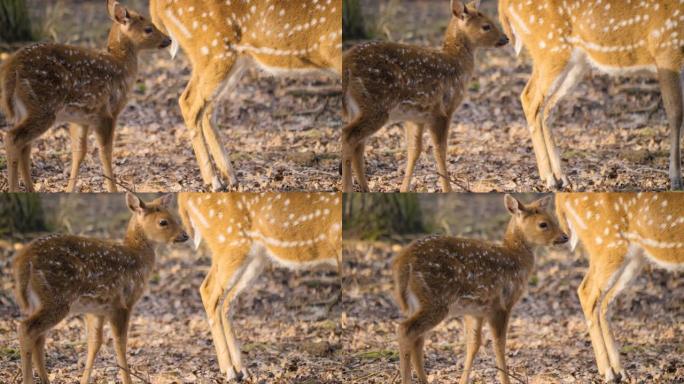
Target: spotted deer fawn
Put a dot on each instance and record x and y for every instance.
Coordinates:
(224, 38)
(243, 231)
(565, 38)
(441, 276)
(62, 274)
(385, 83)
(620, 233)
(45, 84)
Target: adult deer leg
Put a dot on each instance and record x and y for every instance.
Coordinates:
(414, 144)
(671, 89)
(79, 147)
(211, 291)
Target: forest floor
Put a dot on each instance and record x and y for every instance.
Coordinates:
(281, 134)
(612, 132)
(285, 336)
(548, 340)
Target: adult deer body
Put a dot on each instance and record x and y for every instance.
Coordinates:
(620, 233)
(60, 274)
(223, 38)
(565, 38)
(385, 83)
(440, 276)
(243, 231)
(46, 83)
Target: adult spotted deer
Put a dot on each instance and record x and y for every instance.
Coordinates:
(441, 276)
(61, 274)
(243, 231)
(385, 83)
(223, 38)
(565, 38)
(620, 233)
(45, 84)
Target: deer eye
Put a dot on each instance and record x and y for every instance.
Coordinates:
(148, 30)
(486, 27)
(543, 225)
(163, 223)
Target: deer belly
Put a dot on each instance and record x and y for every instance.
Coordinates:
(91, 305)
(79, 113)
(410, 111)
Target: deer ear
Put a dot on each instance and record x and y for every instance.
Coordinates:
(544, 202)
(134, 204)
(118, 12)
(165, 200)
(459, 9)
(513, 205)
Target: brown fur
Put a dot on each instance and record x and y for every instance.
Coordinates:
(222, 38)
(620, 232)
(438, 276)
(47, 83)
(60, 274)
(243, 231)
(390, 82)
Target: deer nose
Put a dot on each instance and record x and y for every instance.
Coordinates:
(183, 237)
(165, 43)
(502, 41)
(562, 239)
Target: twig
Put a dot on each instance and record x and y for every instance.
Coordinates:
(119, 184)
(515, 377)
(396, 376)
(465, 187)
(644, 168)
(135, 374)
(16, 376)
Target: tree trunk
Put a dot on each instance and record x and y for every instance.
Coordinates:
(15, 24)
(352, 20)
(372, 216)
(21, 212)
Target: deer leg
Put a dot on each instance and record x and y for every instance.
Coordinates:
(411, 330)
(25, 167)
(565, 82)
(499, 325)
(190, 104)
(439, 131)
(590, 292)
(19, 137)
(671, 90)
(211, 291)
(359, 166)
(631, 267)
(94, 334)
(414, 141)
(253, 269)
(418, 359)
(354, 134)
(39, 360)
(119, 321)
(213, 88)
(31, 330)
(472, 327)
(79, 147)
(105, 140)
(532, 98)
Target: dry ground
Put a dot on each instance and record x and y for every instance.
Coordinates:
(612, 132)
(278, 138)
(286, 336)
(548, 340)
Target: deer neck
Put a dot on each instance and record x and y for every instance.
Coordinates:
(137, 241)
(458, 46)
(514, 241)
(123, 50)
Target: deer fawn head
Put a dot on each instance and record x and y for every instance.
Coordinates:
(136, 28)
(534, 222)
(478, 27)
(155, 220)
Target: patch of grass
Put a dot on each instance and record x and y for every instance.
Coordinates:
(9, 353)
